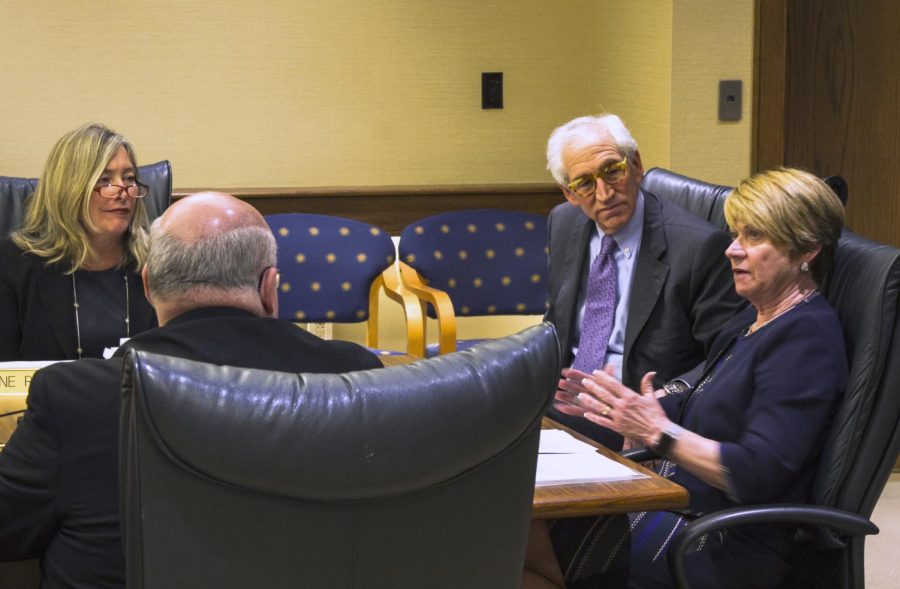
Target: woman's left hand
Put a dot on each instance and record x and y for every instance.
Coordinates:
(611, 404)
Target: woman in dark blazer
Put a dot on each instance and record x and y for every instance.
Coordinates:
(69, 277)
(752, 428)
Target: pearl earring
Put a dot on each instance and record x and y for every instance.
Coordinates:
(804, 267)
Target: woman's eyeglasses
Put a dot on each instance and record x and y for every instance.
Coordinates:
(136, 190)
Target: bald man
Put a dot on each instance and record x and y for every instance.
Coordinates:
(212, 280)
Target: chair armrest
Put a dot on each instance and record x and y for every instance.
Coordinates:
(640, 454)
(843, 522)
(389, 280)
(440, 300)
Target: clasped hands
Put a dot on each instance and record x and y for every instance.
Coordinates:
(601, 398)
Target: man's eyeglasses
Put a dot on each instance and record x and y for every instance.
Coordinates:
(612, 174)
(136, 190)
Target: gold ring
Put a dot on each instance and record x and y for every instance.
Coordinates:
(605, 411)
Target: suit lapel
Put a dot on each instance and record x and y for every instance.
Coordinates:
(55, 294)
(649, 274)
(574, 264)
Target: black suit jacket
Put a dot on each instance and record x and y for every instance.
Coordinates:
(681, 295)
(37, 321)
(59, 471)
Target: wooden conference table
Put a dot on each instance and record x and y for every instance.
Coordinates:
(570, 500)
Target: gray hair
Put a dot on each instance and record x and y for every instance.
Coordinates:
(584, 131)
(230, 260)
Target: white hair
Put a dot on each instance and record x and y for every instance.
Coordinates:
(230, 260)
(585, 131)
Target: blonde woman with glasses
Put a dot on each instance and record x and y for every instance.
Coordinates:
(69, 276)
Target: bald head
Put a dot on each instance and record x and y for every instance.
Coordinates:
(207, 214)
(211, 249)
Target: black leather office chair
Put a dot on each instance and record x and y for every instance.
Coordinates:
(411, 476)
(14, 191)
(708, 200)
(864, 440)
(701, 198)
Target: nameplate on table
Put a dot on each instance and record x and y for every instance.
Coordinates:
(563, 460)
(15, 377)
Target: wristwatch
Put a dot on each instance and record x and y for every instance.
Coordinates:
(674, 387)
(668, 438)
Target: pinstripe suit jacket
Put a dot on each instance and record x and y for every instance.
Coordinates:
(682, 291)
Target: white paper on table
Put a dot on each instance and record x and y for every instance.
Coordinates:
(558, 469)
(557, 441)
(563, 459)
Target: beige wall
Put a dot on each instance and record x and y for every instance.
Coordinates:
(280, 92)
(711, 41)
(632, 73)
(658, 64)
(337, 92)
(372, 92)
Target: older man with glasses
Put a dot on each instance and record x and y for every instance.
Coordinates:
(637, 284)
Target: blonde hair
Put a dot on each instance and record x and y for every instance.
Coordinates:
(57, 222)
(795, 210)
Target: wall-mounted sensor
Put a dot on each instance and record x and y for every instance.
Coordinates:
(730, 100)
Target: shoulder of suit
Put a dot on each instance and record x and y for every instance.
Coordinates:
(677, 218)
(10, 252)
(566, 213)
(63, 378)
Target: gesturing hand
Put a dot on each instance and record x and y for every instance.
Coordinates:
(609, 403)
(569, 388)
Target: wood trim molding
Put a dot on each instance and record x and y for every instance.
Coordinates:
(770, 70)
(394, 207)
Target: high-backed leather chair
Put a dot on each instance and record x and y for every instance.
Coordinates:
(14, 191)
(411, 476)
(472, 263)
(708, 200)
(864, 440)
(701, 198)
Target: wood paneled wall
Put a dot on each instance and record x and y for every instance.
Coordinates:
(394, 207)
(828, 100)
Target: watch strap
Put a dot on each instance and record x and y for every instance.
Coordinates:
(668, 438)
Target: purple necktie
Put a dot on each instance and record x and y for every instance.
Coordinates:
(599, 309)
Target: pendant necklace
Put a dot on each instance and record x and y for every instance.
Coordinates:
(750, 328)
(79, 350)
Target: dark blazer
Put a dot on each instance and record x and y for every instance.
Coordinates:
(59, 471)
(768, 399)
(681, 295)
(37, 321)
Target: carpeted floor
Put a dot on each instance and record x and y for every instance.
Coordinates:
(883, 550)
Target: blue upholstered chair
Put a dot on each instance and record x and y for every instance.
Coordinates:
(472, 263)
(14, 191)
(332, 270)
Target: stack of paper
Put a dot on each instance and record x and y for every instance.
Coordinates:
(563, 459)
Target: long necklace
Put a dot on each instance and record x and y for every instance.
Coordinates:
(751, 330)
(79, 350)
